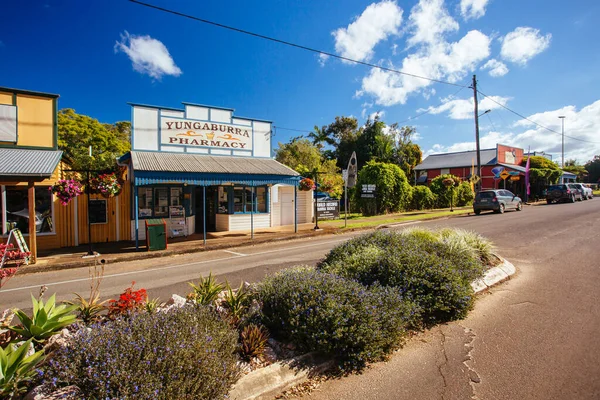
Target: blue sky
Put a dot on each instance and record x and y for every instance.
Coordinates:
(538, 57)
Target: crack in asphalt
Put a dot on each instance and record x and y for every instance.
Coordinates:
(474, 378)
(443, 344)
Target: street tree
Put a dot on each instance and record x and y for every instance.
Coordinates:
(374, 144)
(407, 154)
(577, 169)
(593, 169)
(77, 132)
(394, 193)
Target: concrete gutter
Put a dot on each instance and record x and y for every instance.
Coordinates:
(268, 382)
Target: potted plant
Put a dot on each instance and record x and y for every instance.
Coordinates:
(66, 190)
(306, 184)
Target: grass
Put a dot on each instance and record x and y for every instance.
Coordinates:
(596, 192)
(365, 222)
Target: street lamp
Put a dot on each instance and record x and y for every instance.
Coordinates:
(562, 117)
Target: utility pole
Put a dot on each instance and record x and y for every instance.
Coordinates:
(562, 117)
(474, 86)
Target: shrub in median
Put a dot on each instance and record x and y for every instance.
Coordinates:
(324, 312)
(422, 198)
(418, 264)
(187, 353)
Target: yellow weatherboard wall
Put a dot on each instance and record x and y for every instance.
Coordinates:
(35, 121)
(6, 98)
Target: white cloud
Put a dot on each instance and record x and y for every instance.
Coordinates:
(496, 68)
(378, 114)
(580, 124)
(524, 43)
(148, 55)
(429, 21)
(473, 9)
(394, 49)
(376, 23)
(323, 59)
(441, 60)
(463, 108)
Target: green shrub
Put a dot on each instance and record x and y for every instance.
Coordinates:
(187, 353)
(253, 340)
(422, 198)
(393, 190)
(464, 195)
(326, 313)
(206, 291)
(17, 369)
(442, 193)
(417, 264)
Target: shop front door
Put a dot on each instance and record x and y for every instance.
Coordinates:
(211, 210)
(287, 208)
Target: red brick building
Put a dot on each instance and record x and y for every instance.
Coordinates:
(493, 162)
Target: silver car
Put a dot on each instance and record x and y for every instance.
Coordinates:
(586, 192)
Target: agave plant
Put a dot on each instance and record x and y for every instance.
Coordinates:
(47, 320)
(88, 310)
(206, 290)
(153, 305)
(236, 302)
(17, 368)
(253, 340)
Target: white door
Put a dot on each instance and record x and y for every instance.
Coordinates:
(287, 208)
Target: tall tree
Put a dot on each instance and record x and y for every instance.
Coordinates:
(374, 144)
(305, 158)
(76, 132)
(407, 154)
(320, 136)
(345, 131)
(574, 168)
(593, 169)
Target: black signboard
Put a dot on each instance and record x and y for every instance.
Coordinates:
(328, 209)
(368, 191)
(97, 209)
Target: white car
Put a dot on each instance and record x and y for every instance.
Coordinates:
(586, 192)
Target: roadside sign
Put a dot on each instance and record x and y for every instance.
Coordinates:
(368, 191)
(515, 178)
(475, 179)
(345, 175)
(513, 173)
(329, 209)
(504, 174)
(352, 171)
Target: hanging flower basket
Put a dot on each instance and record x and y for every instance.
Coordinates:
(66, 190)
(306, 184)
(107, 185)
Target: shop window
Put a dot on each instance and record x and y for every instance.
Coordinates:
(261, 199)
(16, 209)
(222, 200)
(242, 199)
(161, 202)
(177, 196)
(144, 202)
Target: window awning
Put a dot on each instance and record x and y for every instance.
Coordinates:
(206, 170)
(26, 164)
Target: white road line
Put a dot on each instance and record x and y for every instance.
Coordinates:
(173, 266)
(233, 252)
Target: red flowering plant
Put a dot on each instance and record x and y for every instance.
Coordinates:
(10, 260)
(129, 300)
(306, 184)
(108, 185)
(66, 190)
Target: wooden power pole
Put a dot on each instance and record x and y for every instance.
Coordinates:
(474, 86)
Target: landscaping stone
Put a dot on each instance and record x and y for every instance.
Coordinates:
(57, 341)
(44, 393)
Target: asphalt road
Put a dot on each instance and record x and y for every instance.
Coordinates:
(536, 336)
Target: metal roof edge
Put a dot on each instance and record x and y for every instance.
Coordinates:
(29, 92)
(207, 106)
(157, 107)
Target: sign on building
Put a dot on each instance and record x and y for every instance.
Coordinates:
(368, 191)
(329, 209)
(183, 132)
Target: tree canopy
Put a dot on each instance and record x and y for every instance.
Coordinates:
(593, 169)
(76, 132)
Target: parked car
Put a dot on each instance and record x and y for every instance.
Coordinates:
(496, 200)
(562, 192)
(587, 192)
(579, 193)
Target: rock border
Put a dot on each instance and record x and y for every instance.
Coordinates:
(266, 383)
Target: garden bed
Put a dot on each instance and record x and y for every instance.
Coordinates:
(355, 307)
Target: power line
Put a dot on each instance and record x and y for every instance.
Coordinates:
(258, 35)
(430, 109)
(532, 121)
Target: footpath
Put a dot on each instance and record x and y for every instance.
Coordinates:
(75, 257)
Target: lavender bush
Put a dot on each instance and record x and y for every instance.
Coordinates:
(418, 265)
(339, 317)
(188, 353)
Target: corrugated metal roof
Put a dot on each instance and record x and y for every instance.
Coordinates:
(201, 163)
(16, 162)
(455, 160)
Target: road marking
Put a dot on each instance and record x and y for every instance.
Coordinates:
(174, 266)
(237, 254)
